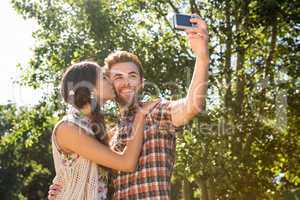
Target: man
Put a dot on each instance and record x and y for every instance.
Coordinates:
(152, 178)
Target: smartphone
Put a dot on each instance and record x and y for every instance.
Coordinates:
(182, 22)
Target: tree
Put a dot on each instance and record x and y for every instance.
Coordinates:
(25, 165)
(250, 132)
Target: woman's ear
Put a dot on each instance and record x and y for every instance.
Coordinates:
(94, 99)
(143, 83)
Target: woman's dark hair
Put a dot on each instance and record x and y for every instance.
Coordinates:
(78, 82)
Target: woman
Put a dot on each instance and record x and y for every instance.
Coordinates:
(79, 142)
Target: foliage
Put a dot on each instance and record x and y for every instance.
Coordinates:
(25, 164)
(250, 132)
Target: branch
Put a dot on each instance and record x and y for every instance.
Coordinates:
(173, 6)
(177, 36)
(194, 7)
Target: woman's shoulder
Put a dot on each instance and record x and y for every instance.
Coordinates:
(62, 131)
(73, 123)
(65, 126)
(72, 127)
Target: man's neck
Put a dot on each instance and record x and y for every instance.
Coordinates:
(124, 108)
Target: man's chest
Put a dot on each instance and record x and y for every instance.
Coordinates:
(156, 141)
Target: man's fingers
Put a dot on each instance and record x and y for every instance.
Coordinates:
(200, 22)
(50, 197)
(52, 194)
(197, 31)
(52, 187)
(54, 190)
(201, 28)
(193, 35)
(55, 187)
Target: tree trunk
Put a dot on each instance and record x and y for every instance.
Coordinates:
(187, 190)
(270, 60)
(204, 190)
(211, 189)
(194, 7)
(228, 54)
(240, 16)
(176, 189)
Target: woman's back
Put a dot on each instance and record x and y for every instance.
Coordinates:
(82, 178)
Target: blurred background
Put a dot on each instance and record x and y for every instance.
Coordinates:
(246, 145)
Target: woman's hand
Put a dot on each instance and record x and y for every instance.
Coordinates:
(145, 109)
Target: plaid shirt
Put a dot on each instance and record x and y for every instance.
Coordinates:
(152, 178)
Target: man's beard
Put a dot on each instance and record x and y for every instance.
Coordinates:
(124, 102)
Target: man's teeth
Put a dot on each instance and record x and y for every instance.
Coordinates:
(127, 91)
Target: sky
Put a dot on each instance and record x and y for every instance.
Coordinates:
(16, 42)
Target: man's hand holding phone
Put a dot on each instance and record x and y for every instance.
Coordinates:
(197, 32)
(198, 38)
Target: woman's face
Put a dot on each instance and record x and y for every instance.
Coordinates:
(104, 88)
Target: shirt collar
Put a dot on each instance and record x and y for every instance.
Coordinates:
(130, 111)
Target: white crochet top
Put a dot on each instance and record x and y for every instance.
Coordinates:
(82, 179)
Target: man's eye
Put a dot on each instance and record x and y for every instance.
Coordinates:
(117, 78)
(133, 76)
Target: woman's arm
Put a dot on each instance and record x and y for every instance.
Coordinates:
(72, 138)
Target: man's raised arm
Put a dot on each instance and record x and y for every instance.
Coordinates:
(185, 109)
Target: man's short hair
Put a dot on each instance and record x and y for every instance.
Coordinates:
(123, 56)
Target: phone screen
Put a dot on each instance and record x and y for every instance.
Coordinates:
(183, 20)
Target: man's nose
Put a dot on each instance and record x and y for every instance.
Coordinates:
(126, 82)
